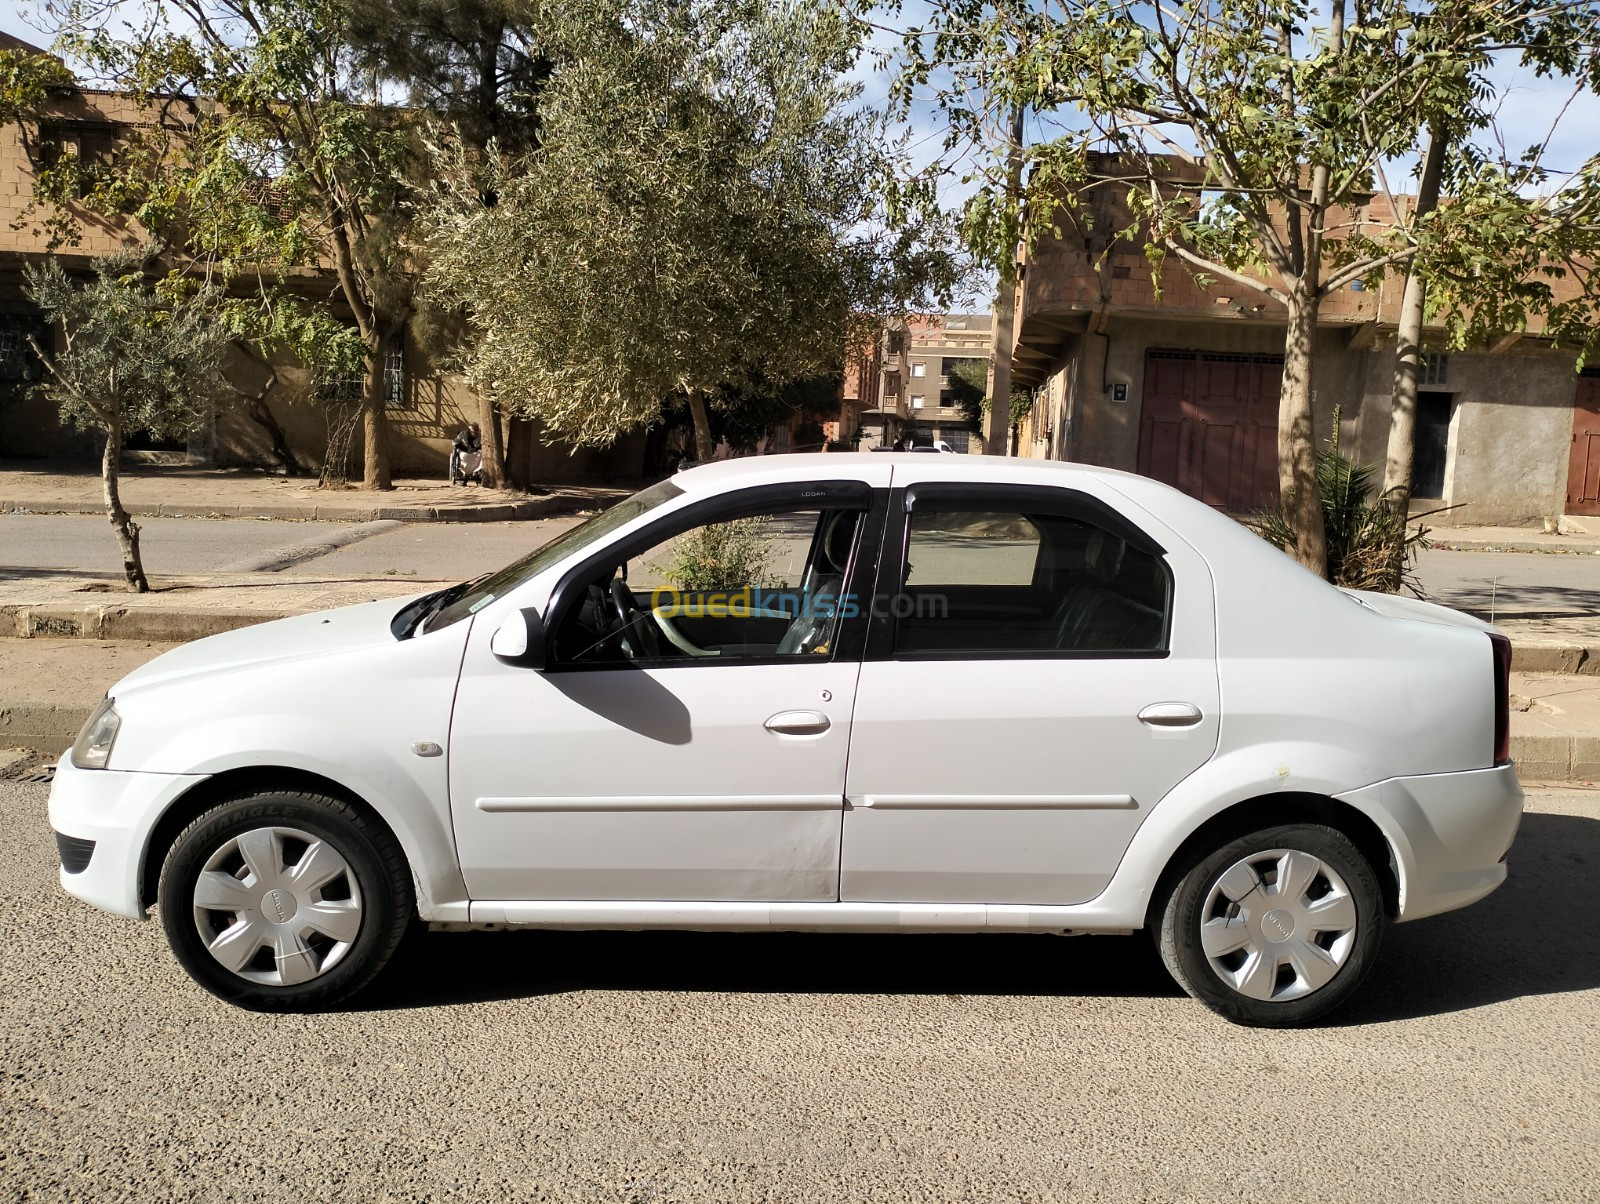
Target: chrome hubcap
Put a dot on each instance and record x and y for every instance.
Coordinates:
(277, 906)
(1278, 925)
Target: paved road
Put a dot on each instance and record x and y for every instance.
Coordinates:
(82, 545)
(1509, 584)
(1513, 584)
(636, 1067)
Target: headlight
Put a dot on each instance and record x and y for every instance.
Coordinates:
(92, 749)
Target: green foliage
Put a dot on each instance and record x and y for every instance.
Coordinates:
(723, 556)
(702, 216)
(28, 82)
(475, 64)
(969, 378)
(136, 355)
(1368, 544)
(270, 157)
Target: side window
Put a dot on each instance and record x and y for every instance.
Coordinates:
(752, 586)
(1009, 581)
(972, 547)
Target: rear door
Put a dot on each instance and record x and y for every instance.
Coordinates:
(1041, 671)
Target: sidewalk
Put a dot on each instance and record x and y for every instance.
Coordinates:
(177, 608)
(1584, 539)
(45, 487)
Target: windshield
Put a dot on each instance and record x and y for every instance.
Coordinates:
(461, 602)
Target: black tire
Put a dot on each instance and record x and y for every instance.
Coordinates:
(380, 893)
(1269, 957)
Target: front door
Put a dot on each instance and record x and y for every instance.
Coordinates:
(1583, 471)
(1043, 674)
(687, 740)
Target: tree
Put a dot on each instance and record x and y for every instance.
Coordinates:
(478, 66)
(702, 215)
(1512, 243)
(134, 356)
(1243, 134)
(270, 154)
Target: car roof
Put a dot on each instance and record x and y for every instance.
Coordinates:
(790, 466)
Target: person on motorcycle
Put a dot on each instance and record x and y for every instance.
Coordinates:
(466, 456)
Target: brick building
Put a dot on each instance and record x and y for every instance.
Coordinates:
(914, 391)
(426, 407)
(1183, 386)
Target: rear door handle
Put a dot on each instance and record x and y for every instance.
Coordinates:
(798, 723)
(1170, 714)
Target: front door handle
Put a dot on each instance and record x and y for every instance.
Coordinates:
(798, 723)
(1170, 714)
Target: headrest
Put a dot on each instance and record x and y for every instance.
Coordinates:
(1102, 555)
(836, 540)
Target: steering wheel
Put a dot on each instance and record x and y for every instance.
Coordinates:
(635, 632)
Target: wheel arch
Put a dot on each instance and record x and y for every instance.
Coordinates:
(204, 795)
(1271, 810)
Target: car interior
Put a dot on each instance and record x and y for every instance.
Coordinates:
(785, 606)
(996, 581)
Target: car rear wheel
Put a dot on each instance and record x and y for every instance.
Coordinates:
(284, 902)
(1275, 928)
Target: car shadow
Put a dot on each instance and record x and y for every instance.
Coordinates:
(1534, 936)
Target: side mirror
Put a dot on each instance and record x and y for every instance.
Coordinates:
(520, 640)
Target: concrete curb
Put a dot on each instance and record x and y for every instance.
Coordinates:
(1575, 545)
(1559, 758)
(544, 507)
(164, 624)
(1554, 658)
(49, 727)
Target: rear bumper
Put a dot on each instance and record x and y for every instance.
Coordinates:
(102, 820)
(1450, 833)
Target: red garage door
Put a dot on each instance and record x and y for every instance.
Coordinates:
(1583, 473)
(1210, 426)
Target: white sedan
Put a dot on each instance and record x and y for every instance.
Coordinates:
(841, 692)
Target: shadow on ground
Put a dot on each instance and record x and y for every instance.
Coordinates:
(1535, 936)
(1495, 602)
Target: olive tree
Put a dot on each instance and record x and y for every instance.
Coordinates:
(267, 151)
(703, 214)
(134, 355)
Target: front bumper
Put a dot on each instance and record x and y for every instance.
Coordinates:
(115, 811)
(1450, 833)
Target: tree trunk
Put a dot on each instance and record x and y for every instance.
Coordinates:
(997, 427)
(1408, 341)
(121, 522)
(255, 409)
(374, 424)
(494, 456)
(705, 447)
(1297, 452)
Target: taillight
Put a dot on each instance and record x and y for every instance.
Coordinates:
(1502, 698)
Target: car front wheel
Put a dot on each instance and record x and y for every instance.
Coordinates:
(284, 901)
(1275, 928)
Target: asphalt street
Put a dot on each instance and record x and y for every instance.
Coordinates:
(668, 1067)
(1505, 584)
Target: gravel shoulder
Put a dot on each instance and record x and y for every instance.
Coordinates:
(664, 1067)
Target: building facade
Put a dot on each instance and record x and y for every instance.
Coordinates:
(316, 418)
(1178, 379)
(923, 389)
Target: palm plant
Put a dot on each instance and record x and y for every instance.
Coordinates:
(1370, 545)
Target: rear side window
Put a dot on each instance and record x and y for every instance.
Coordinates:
(1017, 581)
